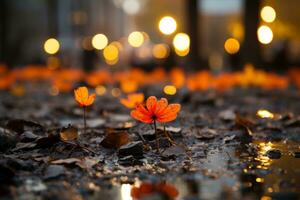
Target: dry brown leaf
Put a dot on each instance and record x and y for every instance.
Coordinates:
(114, 140)
(69, 134)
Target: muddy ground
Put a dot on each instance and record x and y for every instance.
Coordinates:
(223, 149)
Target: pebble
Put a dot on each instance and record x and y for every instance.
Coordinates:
(134, 149)
(274, 154)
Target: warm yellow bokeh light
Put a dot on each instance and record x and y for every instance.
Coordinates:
(51, 46)
(115, 92)
(232, 46)
(99, 41)
(181, 41)
(167, 25)
(111, 53)
(170, 90)
(136, 39)
(100, 90)
(268, 14)
(182, 53)
(160, 51)
(265, 34)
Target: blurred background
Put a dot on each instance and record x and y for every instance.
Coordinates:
(193, 34)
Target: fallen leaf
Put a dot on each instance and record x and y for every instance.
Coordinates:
(65, 161)
(88, 162)
(69, 133)
(115, 139)
(20, 125)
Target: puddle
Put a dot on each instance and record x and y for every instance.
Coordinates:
(227, 174)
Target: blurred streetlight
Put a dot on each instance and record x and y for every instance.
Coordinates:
(111, 54)
(181, 43)
(232, 46)
(99, 41)
(268, 14)
(51, 46)
(136, 39)
(264, 34)
(160, 51)
(167, 25)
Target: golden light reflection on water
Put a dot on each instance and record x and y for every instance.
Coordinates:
(287, 164)
(263, 148)
(126, 192)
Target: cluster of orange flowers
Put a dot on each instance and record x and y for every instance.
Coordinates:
(130, 80)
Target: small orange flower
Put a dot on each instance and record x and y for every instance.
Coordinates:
(155, 110)
(82, 96)
(132, 100)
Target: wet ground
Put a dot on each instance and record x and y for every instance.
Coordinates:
(225, 149)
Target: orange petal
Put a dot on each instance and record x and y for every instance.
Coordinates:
(172, 108)
(90, 100)
(141, 108)
(151, 104)
(167, 118)
(81, 95)
(161, 106)
(141, 117)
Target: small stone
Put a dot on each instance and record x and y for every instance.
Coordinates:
(296, 154)
(134, 148)
(54, 171)
(274, 154)
(129, 161)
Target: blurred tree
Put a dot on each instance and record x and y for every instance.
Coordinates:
(251, 48)
(192, 21)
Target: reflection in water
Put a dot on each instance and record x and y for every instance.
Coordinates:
(226, 174)
(126, 192)
(265, 161)
(280, 176)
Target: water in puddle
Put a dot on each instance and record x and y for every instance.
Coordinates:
(271, 171)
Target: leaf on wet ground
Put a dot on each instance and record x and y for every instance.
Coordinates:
(205, 133)
(69, 133)
(20, 125)
(115, 139)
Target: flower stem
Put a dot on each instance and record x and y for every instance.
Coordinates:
(84, 119)
(156, 136)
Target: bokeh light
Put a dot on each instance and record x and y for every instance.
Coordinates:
(99, 41)
(115, 92)
(181, 41)
(182, 53)
(264, 34)
(170, 90)
(232, 46)
(160, 51)
(51, 46)
(100, 90)
(136, 39)
(111, 52)
(268, 14)
(167, 25)
(131, 7)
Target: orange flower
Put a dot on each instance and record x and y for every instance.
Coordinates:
(82, 96)
(146, 189)
(156, 111)
(132, 100)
